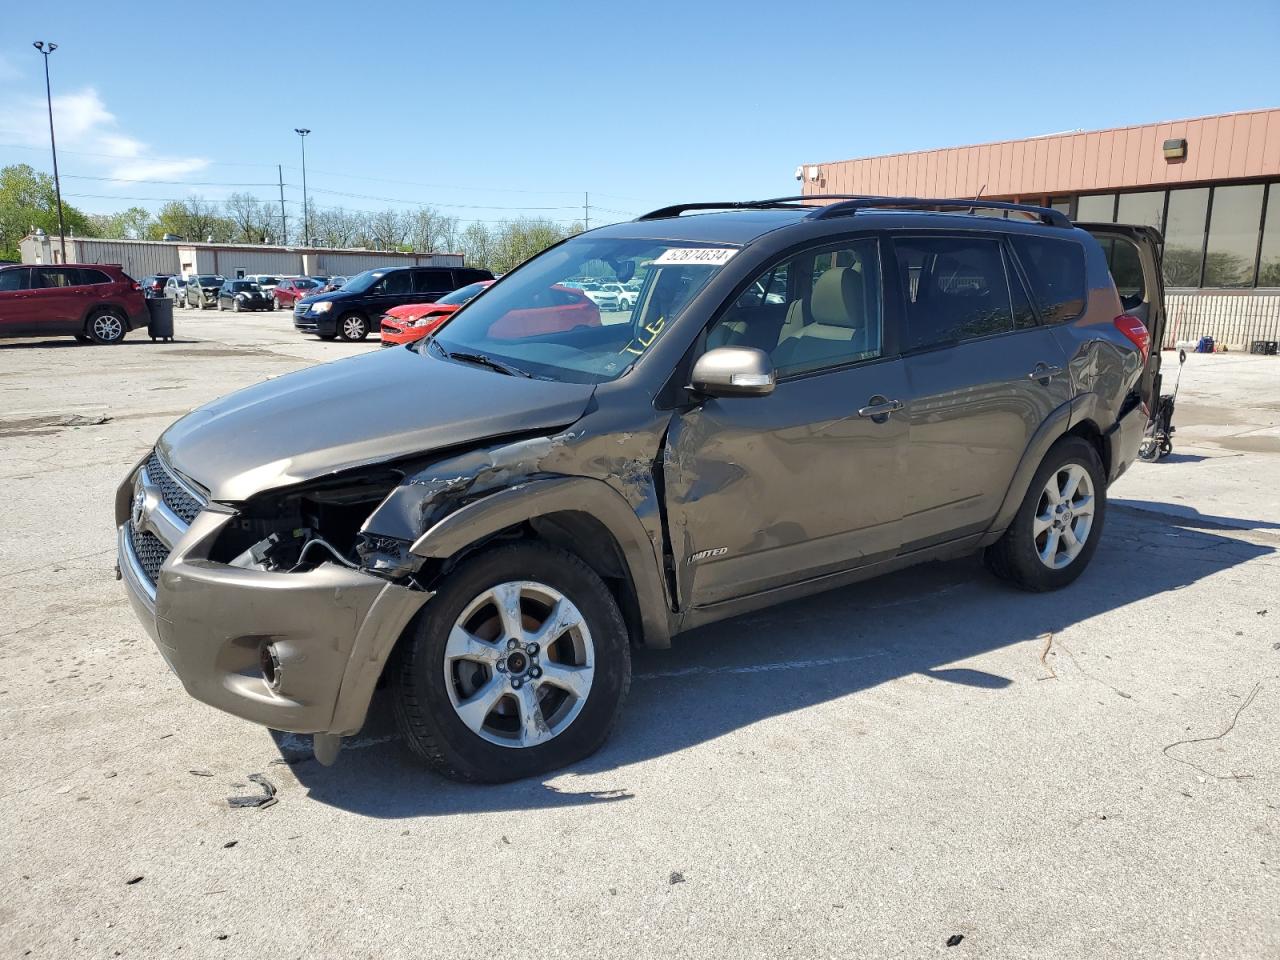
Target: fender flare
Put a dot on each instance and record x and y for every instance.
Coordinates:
(1053, 429)
(534, 498)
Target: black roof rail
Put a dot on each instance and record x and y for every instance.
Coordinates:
(775, 203)
(852, 205)
(848, 204)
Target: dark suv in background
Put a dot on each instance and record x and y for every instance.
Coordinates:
(488, 520)
(349, 313)
(97, 303)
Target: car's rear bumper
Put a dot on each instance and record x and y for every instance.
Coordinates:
(1123, 440)
(330, 630)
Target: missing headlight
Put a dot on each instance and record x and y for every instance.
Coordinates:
(298, 529)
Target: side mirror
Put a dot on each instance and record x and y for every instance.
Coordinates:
(733, 372)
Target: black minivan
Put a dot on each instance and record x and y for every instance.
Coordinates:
(348, 313)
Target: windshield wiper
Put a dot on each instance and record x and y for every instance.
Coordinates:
(481, 360)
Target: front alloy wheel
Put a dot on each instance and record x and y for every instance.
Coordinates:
(519, 663)
(353, 327)
(517, 666)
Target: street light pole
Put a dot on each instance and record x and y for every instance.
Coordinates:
(47, 47)
(306, 209)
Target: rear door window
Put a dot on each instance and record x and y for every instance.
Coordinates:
(954, 288)
(97, 276)
(1055, 270)
(57, 277)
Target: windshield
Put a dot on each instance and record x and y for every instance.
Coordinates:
(463, 294)
(305, 284)
(240, 286)
(534, 322)
(360, 282)
(209, 281)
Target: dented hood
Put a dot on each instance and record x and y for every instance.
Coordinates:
(367, 409)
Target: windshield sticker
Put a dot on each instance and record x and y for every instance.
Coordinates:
(708, 256)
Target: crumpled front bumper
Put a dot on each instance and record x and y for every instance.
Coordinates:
(330, 628)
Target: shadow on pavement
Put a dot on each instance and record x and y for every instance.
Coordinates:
(1192, 518)
(732, 674)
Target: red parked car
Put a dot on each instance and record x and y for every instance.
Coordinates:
(565, 309)
(95, 303)
(292, 289)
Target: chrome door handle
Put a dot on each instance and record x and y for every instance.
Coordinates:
(878, 409)
(1045, 372)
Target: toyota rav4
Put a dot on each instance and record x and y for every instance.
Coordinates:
(486, 521)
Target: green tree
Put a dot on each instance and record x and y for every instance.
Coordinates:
(27, 201)
(132, 224)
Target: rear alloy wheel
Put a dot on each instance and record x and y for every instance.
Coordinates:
(518, 666)
(1056, 530)
(106, 328)
(352, 327)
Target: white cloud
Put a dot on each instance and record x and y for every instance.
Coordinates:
(86, 127)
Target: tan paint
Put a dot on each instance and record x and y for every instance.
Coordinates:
(1229, 146)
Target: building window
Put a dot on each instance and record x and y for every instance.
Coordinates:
(1142, 208)
(1269, 266)
(1184, 236)
(1097, 208)
(1233, 236)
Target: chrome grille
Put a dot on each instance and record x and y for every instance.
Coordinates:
(149, 550)
(176, 496)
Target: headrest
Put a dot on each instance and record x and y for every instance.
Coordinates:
(837, 298)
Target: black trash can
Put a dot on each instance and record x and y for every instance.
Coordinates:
(160, 325)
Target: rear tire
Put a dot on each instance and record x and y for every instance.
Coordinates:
(1051, 540)
(105, 327)
(458, 698)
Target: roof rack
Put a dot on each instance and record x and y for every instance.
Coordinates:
(783, 203)
(851, 205)
(848, 204)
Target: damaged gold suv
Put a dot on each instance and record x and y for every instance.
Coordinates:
(487, 520)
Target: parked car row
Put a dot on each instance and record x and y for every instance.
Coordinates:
(356, 309)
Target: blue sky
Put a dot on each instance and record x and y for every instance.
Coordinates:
(483, 109)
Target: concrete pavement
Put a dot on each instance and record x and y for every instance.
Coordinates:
(867, 773)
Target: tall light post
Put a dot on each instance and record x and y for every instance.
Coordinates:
(47, 47)
(306, 210)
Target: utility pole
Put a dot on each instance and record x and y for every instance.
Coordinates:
(47, 47)
(586, 210)
(306, 209)
(284, 221)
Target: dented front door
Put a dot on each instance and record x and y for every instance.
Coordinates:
(762, 492)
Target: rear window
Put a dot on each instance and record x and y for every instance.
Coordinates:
(1055, 269)
(1125, 265)
(95, 276)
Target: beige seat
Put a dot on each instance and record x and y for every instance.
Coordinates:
(834, 308)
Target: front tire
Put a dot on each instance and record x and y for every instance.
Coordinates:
(1056, 530)
(352, 327)
(518, 666)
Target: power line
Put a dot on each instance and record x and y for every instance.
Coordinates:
(167, 183)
